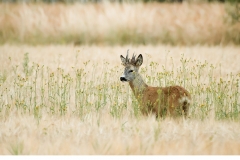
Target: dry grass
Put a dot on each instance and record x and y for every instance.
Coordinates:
(102, 134)
(152, 23)
(98, 130)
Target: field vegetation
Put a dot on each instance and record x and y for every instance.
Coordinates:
(120, 24)
(72, 102)
(60, 66)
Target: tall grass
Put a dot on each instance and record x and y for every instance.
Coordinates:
(34, 89)
(114, 23)
(69, 100)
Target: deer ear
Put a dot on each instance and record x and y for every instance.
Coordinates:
(139, 60)
(124, 62)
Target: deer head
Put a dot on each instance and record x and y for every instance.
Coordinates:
(131, 67)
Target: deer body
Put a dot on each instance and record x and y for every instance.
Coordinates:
(172, 101)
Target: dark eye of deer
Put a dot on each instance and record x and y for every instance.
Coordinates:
(130, 71)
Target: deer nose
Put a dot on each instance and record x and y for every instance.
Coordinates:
(123, 79)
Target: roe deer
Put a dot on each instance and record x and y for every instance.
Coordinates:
(172, 101)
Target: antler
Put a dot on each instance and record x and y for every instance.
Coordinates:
(132, 60)
(127, 59)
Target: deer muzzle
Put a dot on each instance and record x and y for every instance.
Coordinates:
(123, 79)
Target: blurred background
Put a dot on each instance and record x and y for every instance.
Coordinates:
(120, 22)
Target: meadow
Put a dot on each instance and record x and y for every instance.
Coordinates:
(60, 92)
(72, 102)
(120, 24)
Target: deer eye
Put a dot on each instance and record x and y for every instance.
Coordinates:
(130, 71)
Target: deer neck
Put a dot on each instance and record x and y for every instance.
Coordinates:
(138, 85)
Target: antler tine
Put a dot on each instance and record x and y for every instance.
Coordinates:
(127, 56)
(133, 59)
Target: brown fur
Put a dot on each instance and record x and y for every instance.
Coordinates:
(158, 100)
